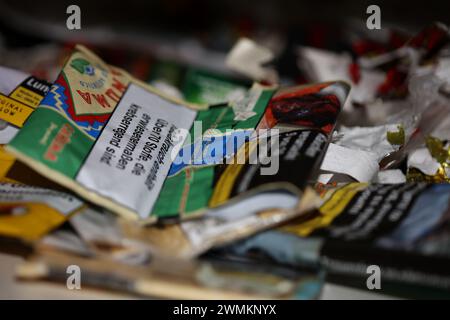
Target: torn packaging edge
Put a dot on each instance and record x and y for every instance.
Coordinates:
(90, 195)
(359, 164)
(78, 188)
(141, 83)
(81, 190)
(309, 200)
(84, 192)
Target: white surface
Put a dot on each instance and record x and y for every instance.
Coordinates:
(13, 289)
(359, 164)
(392, 176)
(421, 159)
(371, 139)
(248, 58)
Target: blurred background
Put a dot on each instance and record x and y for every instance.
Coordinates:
(202, 32)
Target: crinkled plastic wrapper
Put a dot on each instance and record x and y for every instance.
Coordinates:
(244, 200)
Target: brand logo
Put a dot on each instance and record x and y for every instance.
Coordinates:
(83, 66)
(62, 138)
(87, 100)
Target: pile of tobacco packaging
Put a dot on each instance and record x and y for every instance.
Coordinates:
(263, 178)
